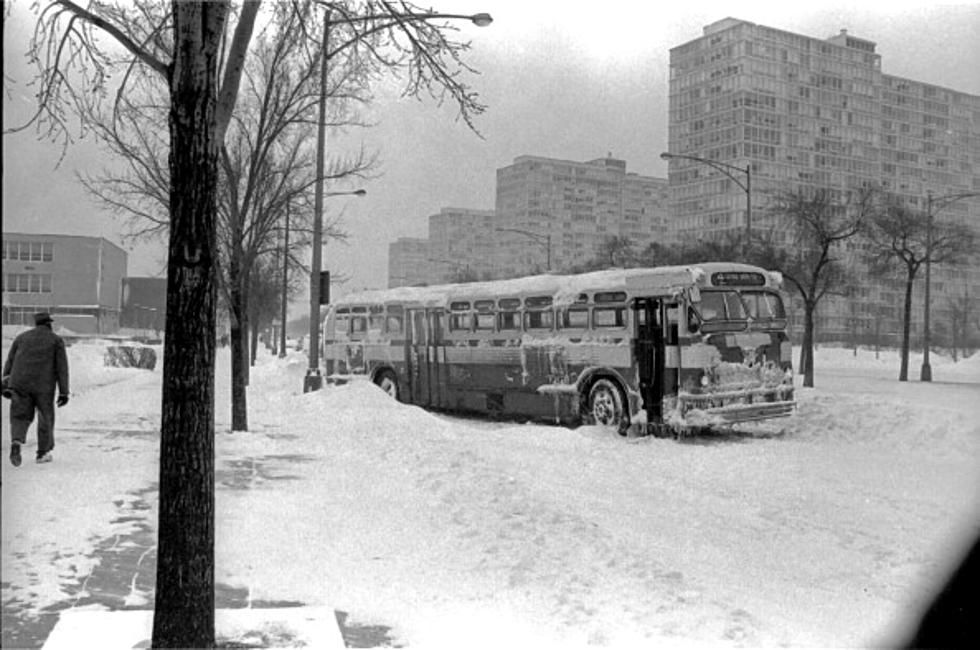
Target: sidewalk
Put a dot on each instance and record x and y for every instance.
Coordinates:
(123, 581)
(117, 573)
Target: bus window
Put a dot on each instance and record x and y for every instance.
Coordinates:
(575, 318)
(609, 317)
(763, 305)
(539, 319)
(460, 321)
(376, 320)
(484, 322)
(673, 316)
(610, 296)
(358, 324)
(507, 316)
(538, 315)
(393, 319)
(720, 306)
(734, 306)
(484, 317)
(393, 324)
(460, 318)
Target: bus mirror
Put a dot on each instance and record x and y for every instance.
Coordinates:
(695, 294)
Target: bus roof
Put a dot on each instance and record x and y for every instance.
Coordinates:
(656, 281)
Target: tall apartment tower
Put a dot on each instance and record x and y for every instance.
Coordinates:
(553, 214)
(461, 244)
(801, 111)
(408, 262)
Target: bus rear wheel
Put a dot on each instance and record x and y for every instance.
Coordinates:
(387, 381)
(607, 406)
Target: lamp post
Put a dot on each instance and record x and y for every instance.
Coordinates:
(543, 240)
(729, 171)
(313, 380)
(932, 202)
(285, 284)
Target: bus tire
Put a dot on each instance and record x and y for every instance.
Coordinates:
(607, 405)
(387, 381)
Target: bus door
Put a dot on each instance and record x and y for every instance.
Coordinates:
(424, 338)
(648, 350)
(438, 370)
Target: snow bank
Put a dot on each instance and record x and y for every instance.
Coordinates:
(824, 529)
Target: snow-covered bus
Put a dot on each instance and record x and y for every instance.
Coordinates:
(648, 350)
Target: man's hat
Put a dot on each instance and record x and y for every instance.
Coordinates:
(42, 318)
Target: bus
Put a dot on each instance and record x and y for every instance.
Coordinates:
(662, 351)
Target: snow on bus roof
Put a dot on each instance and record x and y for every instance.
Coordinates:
(565, 289)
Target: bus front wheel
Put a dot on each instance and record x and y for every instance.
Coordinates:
(607, 405)
(387, 381)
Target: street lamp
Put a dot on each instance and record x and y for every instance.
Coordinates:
(727, 170)
(313, 380)
(543, 240)
(931, 209)
(285, 284)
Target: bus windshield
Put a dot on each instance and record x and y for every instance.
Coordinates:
(725, 305)
(764, 305)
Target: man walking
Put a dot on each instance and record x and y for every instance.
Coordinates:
(36, 364)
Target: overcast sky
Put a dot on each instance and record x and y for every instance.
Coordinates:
(564, 79)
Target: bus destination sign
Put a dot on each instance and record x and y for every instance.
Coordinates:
(738, 279)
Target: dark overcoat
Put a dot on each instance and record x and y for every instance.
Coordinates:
(37, 362)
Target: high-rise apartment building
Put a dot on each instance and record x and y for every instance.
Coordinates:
(801, 111)
(408, 262)
(553, 214)
(461, 244)
(550, 214)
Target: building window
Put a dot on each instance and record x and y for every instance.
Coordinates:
(27, 282)
(28, 251)
(21, 314)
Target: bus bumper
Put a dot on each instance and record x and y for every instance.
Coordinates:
(734, 407)
(735, 413)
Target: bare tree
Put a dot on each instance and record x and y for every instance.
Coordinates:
(73, 72)
(615, 251)
(268, 161)
(960, 309)
(818, 220)
(900, 242)
(188, 50)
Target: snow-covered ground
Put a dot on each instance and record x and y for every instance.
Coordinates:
(831, 528)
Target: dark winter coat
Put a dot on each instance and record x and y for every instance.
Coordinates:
(37, 362)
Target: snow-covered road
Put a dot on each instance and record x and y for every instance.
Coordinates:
(830, 528)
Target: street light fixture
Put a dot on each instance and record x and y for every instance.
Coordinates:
(932, 202)
(313, 380)
(727, 170)
(543, 240)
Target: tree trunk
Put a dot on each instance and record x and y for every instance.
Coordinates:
(807, 352)
(903, 373)
(254, 342)
(246, 328)
(239, 352)
(184, 602)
